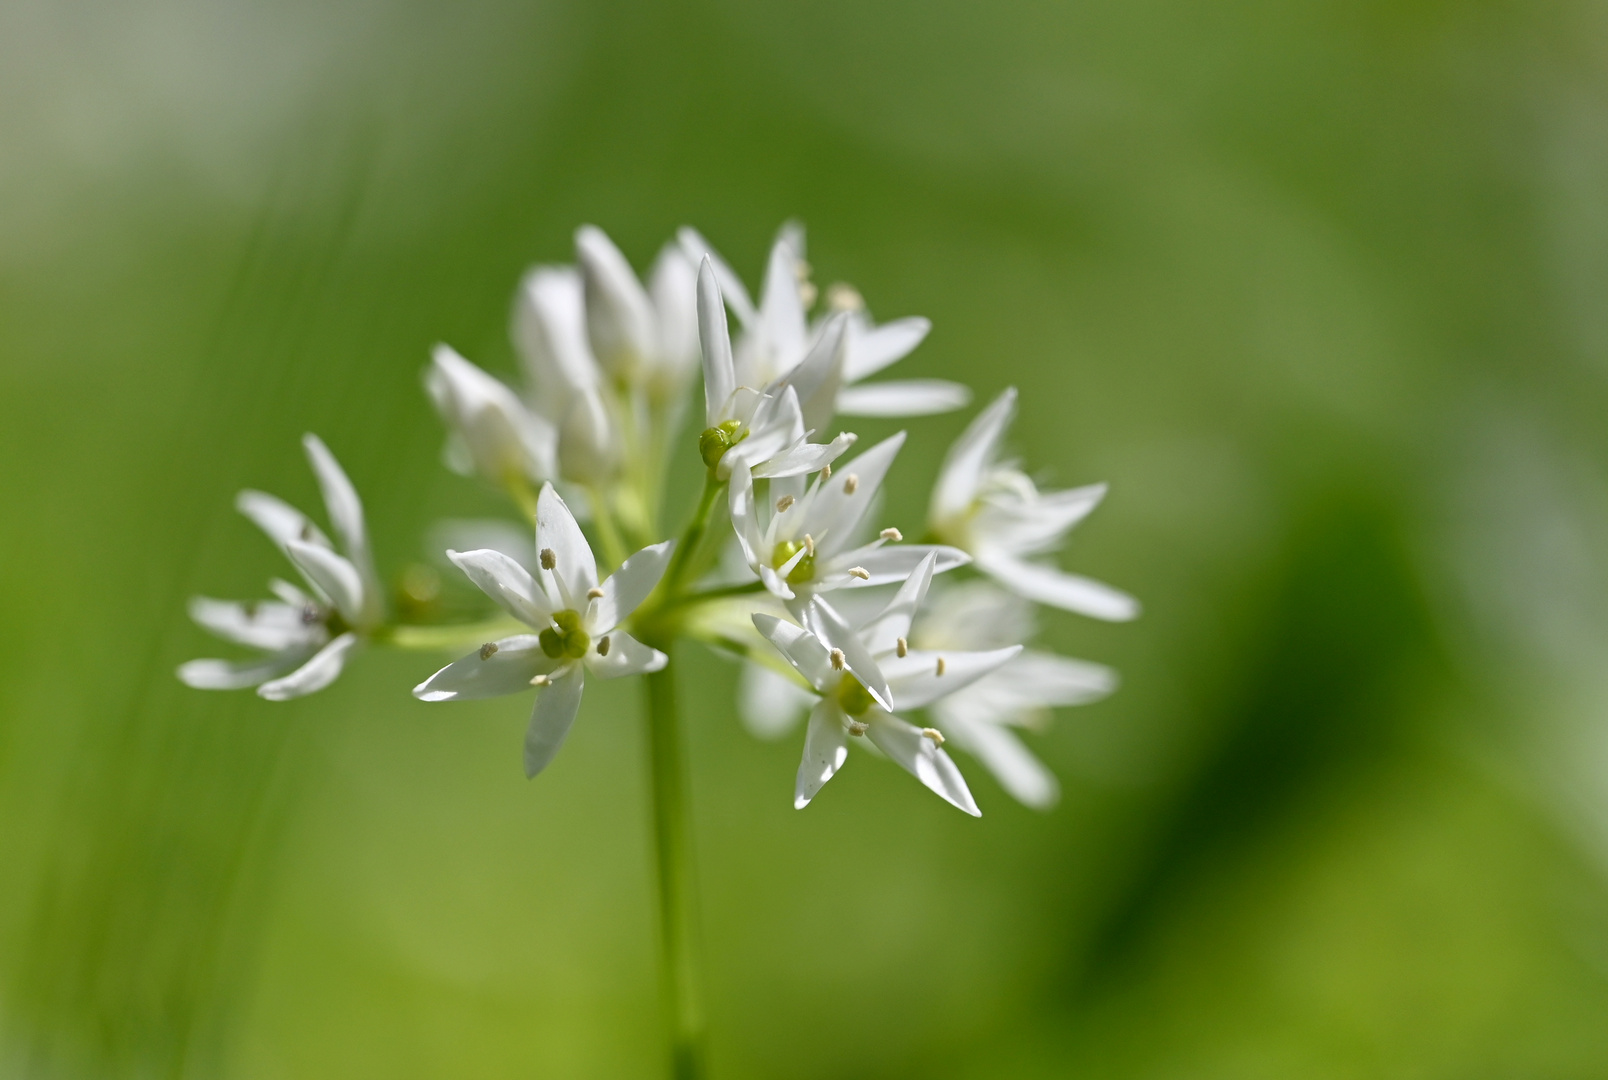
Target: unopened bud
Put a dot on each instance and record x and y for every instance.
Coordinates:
(548, 559)
(934, 734)
(836, 657)
(594, 593)
(892, 534)
(851, 483)
(488, 650)
(541, 680)
(860, 572)
(902, 647)
(783, 503)
(940, 667)
(603, 645)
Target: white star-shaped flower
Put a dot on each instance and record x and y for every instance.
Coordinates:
(802, 541)
(306, 636)
(640, 336)
(994, 511)
(576, 619)
(859, 676)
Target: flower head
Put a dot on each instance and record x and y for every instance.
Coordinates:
(576, 619)
(860, 674)
(993, 510)
(305, 636)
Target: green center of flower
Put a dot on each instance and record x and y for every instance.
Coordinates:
(565, 639)
(853, 696)
(715, 441)
(803, 570)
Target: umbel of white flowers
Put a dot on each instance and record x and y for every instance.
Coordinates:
(824, 605)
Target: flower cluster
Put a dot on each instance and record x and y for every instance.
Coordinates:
(832, 613)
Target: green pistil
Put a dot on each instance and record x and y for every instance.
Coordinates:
(803, 571)
(568, 641)
(853, 696)
(715, 441)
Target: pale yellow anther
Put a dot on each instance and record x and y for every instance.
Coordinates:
(858, 728)
(836, 657)
(594, 593)
(860, 572)
(940, 666)
(851, 482)
(841, 296)
(891, 534)
(807, 294)
(934, 734)
(826, 471)
(541, 680)
(603, 646)
(548, 559)
(802, 269)
(902, 647)
(783, 503)
(488, 650)
(809, 545)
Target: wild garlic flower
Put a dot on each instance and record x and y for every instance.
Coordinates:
(760, 429)
(860, 674)
(980, 718)
(645, 337)
(490, 432)
(803, 542)
(991, 509)
(305, 637)
(778, 334)
(576, 619)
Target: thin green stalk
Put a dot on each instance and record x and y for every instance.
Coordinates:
(678, 934)
(523, 494)
(613, 547)
(692, 537)
(449, 638)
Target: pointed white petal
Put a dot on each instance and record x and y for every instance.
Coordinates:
(332, 574)
(745, 517)
(315, 674)
(714, 341)
(507, 582)
(801, 648)
(818, 375)
(269, 626)
(962, 471)
(340, 498)
(234, 675)
(915, 680)
(781, 310)
(697, 249)
(1056, 588)
(1040, 678)
(549, 330)
(905, 397)
(574, 569)
(1021, 774)
(804, 458)
(826, 747)
(769, 702)
(626, 656)
(834, 633)
(921, 758)
(625, 590)
(837, 511)
(673, 287)
(619, 316)
(883, 632)
(872, 349)
(556, 706)
(507, 670)
(280, 521)
(895, 562)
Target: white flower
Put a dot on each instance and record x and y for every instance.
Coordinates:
(306, 637)
(979, 718)
(777, 336)
(761, 429)
(646, 337)
(993, 510)
(577, 622)
(490, 431)
(550, 334)
(802, 542)
(860, 674)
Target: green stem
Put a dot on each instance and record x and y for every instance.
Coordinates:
(747, 588)
(523, 494)
(678, 934)
(449, 638)
(692, 537)
(613, 547)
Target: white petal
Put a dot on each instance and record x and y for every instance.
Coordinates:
(962, 471)
(333, 574)
(816, 378)
(575, 570)
(745, 517)
(1028, 524)
(340, 499)
(628, 586)
(906, 397)
(1070, 592)
(508, 670)
(619, 316)
(673, 286)
(896, 562)
(1040, 678)
(697, 249)
(278, 519)
(834, 633)
(921, 758)
(315, 674)
(470, 534)
(556, 706)
(837, 512)
(915, 680)
(801, 648)
(588, 451)
(508, 583)
(269, 626)
(714, 340)
(1021, 774)
(882, 633)
(770, 703)
(550, 332)
(781, 310)
(871, 350)
(804, 458)
(825, 749)
(234, 675)
(626, 656)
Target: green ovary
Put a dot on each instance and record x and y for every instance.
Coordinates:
(715, 441)
(802, 572)
(853, 696)
(568, 640)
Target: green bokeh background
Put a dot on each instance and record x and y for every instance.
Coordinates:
(1318, 287)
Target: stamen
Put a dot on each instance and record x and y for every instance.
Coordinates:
(858, 728)
(860, 572)
(603, 645)
(594, 593)
(842, 296)
(890, 533)
(850, 483)
(807, 294)
(541, 680)
(934, 734)
(941, 666)
(548, 559)
(837, 659)
(488, 650)
(826, 471)
(783, 503)
(809, 545)
(902, 647)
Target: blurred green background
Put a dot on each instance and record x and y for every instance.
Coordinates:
(1319, 287)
